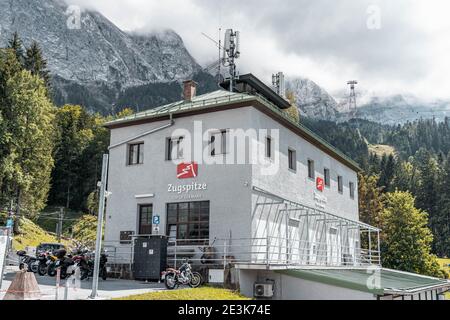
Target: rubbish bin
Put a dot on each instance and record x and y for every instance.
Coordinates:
(150, 257)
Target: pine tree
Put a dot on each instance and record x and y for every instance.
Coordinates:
(36, 64)
(443, 219)
(406, 238)
(370, 200)
(15, 43)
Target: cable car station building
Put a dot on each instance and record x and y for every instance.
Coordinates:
(235, 184)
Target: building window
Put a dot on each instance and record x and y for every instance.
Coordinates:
(292, 159)
(327, 177)
(188, 222)
(218, 143)
(175, 148)
(351, 186)
(145, 219)
(340, 184)
(269, 147)
(135, 154)
(311, 169)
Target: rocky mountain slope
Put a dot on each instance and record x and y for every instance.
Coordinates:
(92, 61)
(316, 103)
(312, 100)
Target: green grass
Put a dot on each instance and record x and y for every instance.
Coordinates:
(204, 293)
(31, 235)
(85, 230)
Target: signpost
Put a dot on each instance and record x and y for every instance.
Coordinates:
(156, 222)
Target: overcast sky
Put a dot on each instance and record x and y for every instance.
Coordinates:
(389, 46)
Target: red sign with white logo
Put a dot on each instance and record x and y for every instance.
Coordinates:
(187, 170)
(320, 184)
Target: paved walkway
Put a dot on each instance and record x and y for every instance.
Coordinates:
(108, 289)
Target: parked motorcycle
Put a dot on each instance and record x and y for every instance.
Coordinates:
(183, 276)
(42, 258)
(64, 263)
(103, 271)
(85, 262)
(30, 262)
(51, 265)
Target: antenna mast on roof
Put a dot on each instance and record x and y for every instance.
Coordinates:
(231, 51)
(352, 98)
(278, 83)
(218, 63)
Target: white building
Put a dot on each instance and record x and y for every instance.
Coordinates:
(231, 171)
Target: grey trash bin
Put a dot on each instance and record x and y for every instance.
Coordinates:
(150, 257)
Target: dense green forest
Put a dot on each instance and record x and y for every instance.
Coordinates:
(51, 156)
(420, 164)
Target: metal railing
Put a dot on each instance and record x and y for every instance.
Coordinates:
(270, 252)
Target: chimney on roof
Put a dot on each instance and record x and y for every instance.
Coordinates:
(189, 90)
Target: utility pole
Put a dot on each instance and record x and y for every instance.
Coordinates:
(101, 211)
(60, 224)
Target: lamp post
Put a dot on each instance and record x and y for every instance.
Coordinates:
(101, 211)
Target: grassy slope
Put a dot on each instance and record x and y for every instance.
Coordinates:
(444, 263)
(204, 293)
(380, 149)
(32, 235)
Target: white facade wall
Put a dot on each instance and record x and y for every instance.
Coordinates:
(229, 187)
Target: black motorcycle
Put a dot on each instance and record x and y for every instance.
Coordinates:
(43, 263)
(30, 262)
(103, 271)
(64, 263)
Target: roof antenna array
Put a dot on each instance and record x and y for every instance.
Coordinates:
(231, 52)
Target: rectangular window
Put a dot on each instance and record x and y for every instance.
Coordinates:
(188, 222)
(292, 158)
(135, 154)
(351, 186)
(218, 143)
(145, 219)
(175, 148)
(327, 177)
(311, 169)
(269, 147)
(340, 184)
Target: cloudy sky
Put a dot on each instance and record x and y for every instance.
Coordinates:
(388, 46)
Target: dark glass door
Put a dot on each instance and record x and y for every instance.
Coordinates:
(145, 219)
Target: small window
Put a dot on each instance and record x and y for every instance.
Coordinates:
(340, 184)
(351, 186)
(311, 169)
(175, 148)
(218, 143)
(135, 154)
(326, 174)
(292, 158)
(268, 147)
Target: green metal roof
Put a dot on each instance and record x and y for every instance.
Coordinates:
(211, 99)
(390, 281)
(223, 98)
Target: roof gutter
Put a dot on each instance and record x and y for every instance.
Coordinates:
(170, 124)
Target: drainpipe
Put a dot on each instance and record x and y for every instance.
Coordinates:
(170, 124)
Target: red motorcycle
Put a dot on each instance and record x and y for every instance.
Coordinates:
(183, 276)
